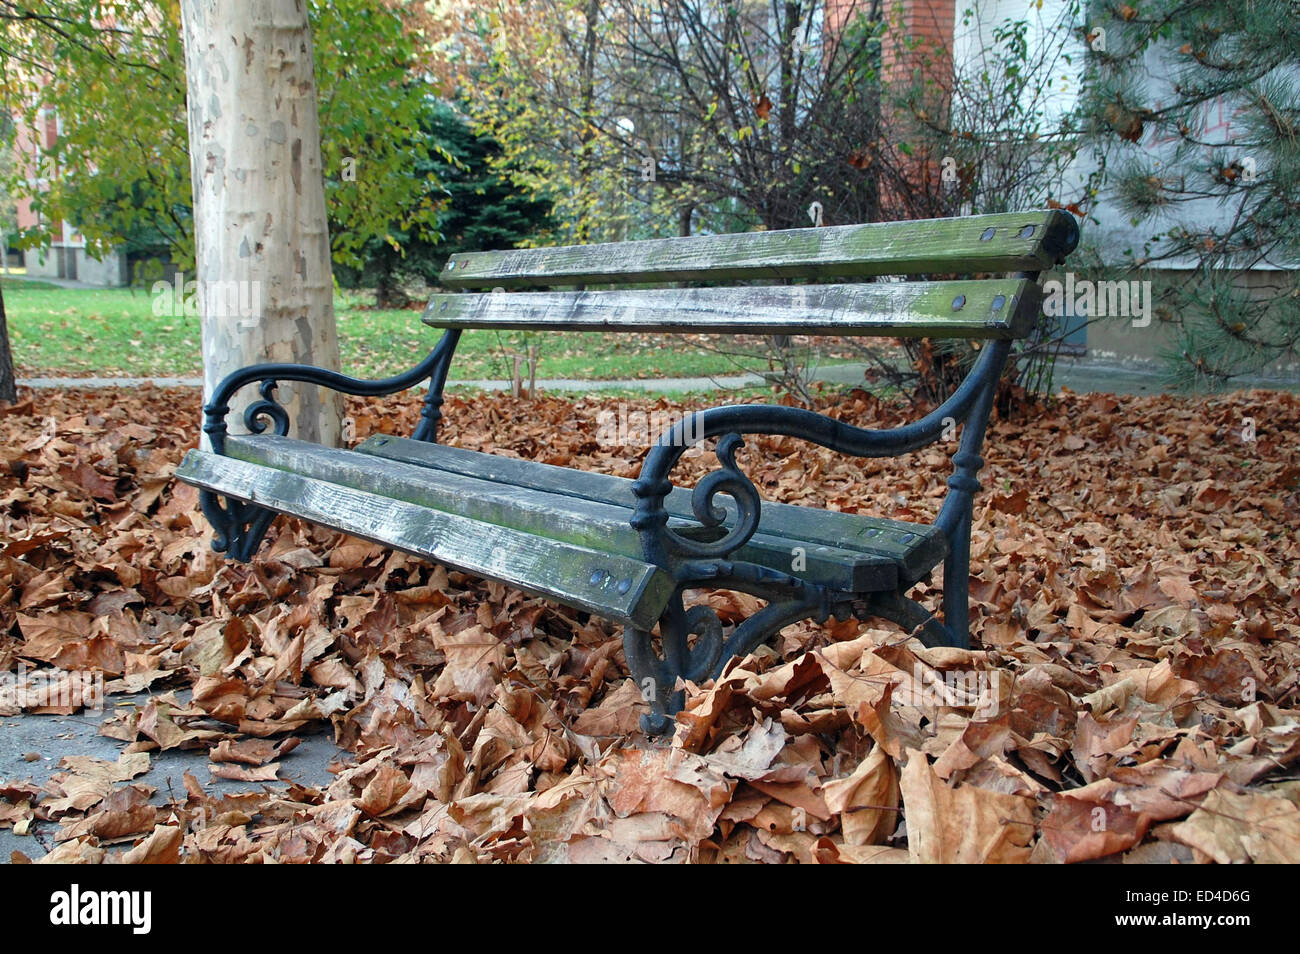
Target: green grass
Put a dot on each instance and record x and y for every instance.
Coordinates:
(114, 332)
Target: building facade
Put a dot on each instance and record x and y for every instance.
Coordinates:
(66, 256)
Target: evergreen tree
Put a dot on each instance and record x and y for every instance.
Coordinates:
(483, 209)
(1196, 105)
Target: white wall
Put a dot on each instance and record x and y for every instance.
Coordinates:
(1051, 40)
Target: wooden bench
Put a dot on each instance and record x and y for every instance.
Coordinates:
(627, 550)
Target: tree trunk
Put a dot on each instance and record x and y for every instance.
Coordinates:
(388, 290)
(8, 384)
(261, 238)
(684, 214)
(586, 106)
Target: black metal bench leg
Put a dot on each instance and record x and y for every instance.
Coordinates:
(439, 363)
(955, 516)
(956, 585)
(655, 678)
(790, 601)
(238, 527)
(656, 675)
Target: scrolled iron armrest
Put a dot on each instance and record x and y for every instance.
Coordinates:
(434, 367)
(238, 527)
(650, 518)
(662, 546)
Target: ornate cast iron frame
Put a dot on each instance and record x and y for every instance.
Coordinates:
(239, 527)
(696, 564)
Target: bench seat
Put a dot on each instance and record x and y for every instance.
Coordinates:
(496, 516)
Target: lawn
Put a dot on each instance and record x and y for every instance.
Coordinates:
(114, 331)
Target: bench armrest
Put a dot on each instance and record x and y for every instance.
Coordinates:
(695, 562)
(238, 527)
(971, 401)
(434, 367)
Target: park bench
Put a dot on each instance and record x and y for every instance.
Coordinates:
(628, 550)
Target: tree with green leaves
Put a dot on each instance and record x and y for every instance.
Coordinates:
(530, 74)
(481, 208)
(119, 87)
(1196, 105)
(112, 73)
(123, 84)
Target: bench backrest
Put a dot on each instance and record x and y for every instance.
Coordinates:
(1023, 244)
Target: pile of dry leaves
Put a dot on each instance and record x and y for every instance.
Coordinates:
(1133, 695)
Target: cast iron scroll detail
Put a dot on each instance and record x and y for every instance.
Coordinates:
(696, 564)
(238, 526)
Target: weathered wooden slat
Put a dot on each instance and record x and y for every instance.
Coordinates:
(610, 585)
(1000, 308)
(532, 506)
(914, 548)
(1007, 242)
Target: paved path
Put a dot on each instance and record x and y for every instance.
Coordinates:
(1082, 377)
(60, 282)
(486, 384)
(31, 747)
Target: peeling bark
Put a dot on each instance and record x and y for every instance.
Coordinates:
(261, 235)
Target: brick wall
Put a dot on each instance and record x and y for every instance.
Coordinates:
(919, 38)
(917, 48)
